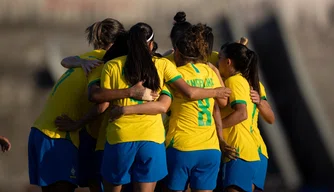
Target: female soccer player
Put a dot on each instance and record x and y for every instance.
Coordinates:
(238, 65)
(134, 149)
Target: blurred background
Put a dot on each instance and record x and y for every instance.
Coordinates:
(294, 39)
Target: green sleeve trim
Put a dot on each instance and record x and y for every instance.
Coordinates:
(238, 102)
(93, 82)
(167, 93)
(263, 98)
(174, 79)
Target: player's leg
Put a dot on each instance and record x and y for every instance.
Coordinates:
(149, 166)
(203, 176)
(86, 168)
(116, 165)
(97, 184)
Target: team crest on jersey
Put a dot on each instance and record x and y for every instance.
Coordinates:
(73, 176)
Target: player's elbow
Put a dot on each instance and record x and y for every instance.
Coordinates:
(243, 115)
(163, 109)
(95, 97)
(102, 107)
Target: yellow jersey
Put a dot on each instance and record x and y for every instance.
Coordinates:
(241, 136)
(137, 127)
(262, 148)
(68, 96)
(191, 125)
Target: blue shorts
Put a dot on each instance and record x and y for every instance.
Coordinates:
(260, 174)
(86, 169)
(141, 161)
(51, 160)
(199, 168)
(98, 162)
(240, 173)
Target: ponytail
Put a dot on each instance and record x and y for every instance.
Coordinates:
(252, 72)
(139, 65)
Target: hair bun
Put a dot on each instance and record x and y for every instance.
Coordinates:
(180, 17)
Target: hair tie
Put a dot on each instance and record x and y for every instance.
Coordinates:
(151, 37)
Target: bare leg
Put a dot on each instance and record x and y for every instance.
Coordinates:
(233, 189)
(108, 187)
(144, 187)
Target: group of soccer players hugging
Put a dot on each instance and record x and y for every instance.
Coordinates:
(125, 118)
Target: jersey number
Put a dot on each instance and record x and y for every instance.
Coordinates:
(66, 74)
(204, 106)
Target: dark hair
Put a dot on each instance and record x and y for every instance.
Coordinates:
(245, 61)
(118, 49)
(192, 45)
(139, 65)
(209, 38)
(102, 33)
(154, 50)
(180, 26)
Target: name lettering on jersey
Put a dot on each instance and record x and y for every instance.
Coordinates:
(200, 82)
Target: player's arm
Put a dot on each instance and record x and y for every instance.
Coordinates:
(195, 93)
(151, 108)
(138, 91)
(263, 105)
(76, 61)
(266, 112)
(174, 79)
(237, 116)
(238, 98)
(65, 123)
(222, 102)
(5, 144)
(229, 151)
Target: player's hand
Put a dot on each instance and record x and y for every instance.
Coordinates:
(89, 65)
(5, 144)
(65, 123)
(139, 92)
(255, 97)
(228, 151)
(223, 92)
(116, 112)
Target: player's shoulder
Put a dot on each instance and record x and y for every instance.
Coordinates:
(94, 54)
(236, 79)
(116, 63)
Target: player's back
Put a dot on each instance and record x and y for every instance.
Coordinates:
(68, 96)
(191, 125)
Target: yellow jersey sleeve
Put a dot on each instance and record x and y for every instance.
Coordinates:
(93, 55)
(166, 91)
(95, 75)
(239, 94)
(106, 78)
(171, 74)
(263, 93)
(170, 57)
